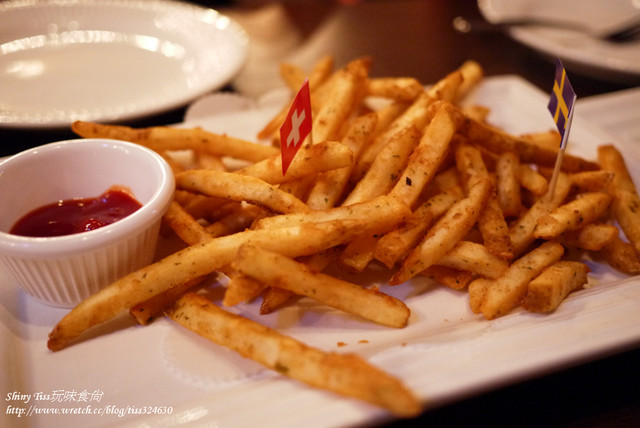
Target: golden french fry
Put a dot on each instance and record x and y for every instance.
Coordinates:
(386, 206)
(292, 75)
(585, 209)
(450, 277)
(446, 89)
(498, 141)
(147, 311)
(495, 230)
(239, 188)
(532, 180)
(472, 73)
(241, 288)
(394, 245)
(197, 205)
(162, 138)
(475, 258)
(470, 165)
(190, 232)
(547, 291)
(237, 218)
(278, 271)
(521, 231)
(184, 225)
(508, 184)
(548, 140)
(330, 186)
(346, 91)
(447, 231)
(427, 156)
(592, 181)
(311, 159)
(207, 161)
(396, 88)
(358, 253)
(622, 256)
(386, 167)
(346, 374)
(477, 292)
(626, 202)
(192, 262)
(415, 115)
(591, 237)
(274, 298)
(505, 293)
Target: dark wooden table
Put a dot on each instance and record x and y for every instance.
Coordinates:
(416, 38)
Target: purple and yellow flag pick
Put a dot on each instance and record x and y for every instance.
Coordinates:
(561, 104)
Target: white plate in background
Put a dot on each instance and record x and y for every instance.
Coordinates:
(579, 51)
(446, 353)
(110, 60)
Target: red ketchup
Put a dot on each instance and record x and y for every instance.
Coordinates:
(76, 215)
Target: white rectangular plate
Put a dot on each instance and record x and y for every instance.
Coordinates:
(445, 354)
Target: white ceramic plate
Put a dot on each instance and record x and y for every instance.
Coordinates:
(445, 354)
(617, 62)
(110, 60)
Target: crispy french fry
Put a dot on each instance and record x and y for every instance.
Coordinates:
(345, 92)
(622, 256)
(508, 184)
(394, 245)
(547, 291)
(626, 202)
(427, 156)
(397, 88)
(241, 288)
(591, 237)
(505, 293)
(415, 115)
(311, 159)
(521, 231)
(548, 140)
(358, 253)
(386, 167)
(386, 206)
(192, 262)
(472, 73)
(346, 374)
(274, 298)
(278, 271)
(162, 138)
(477, 291)
(585, 209)
(497, 141)
(450, 277)
(239, 188)
(447, 231)
(592, 181)
(292, 75)
(330, 186)
(147, 311)
(184, 225)
(532, 180)
(475, 258)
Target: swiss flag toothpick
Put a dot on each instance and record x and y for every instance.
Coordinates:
(296, 126)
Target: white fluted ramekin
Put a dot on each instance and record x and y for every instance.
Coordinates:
(64, 270)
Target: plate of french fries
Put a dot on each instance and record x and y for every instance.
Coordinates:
(422, 247)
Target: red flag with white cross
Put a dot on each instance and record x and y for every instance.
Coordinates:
(296, 126)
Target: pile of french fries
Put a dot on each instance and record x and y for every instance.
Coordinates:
(394, 175)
